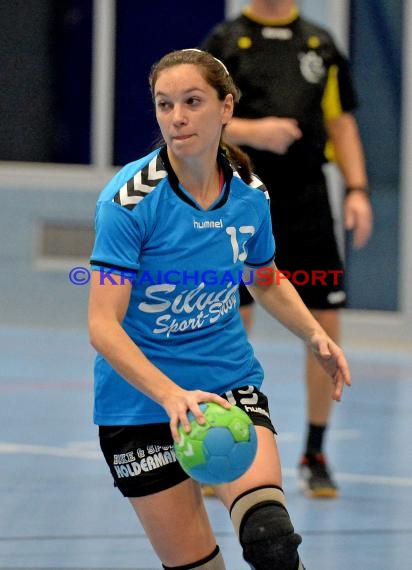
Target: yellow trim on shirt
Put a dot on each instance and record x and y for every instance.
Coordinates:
(313, 42)
(244, 42)
(330, 152)
(267, 22)
(331, 107)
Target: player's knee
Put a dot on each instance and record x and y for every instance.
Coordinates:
(212, 562)
(268, 539)
(265, 531)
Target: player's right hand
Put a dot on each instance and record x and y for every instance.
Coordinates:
(179, 403)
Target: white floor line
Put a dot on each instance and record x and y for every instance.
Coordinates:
(81, 453)
(364, 479)
(71, 452)
(335, 435)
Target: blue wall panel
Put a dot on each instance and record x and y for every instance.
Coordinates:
(376, 57)
(143, 36)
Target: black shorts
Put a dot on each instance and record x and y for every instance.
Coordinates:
(314, 268)
(141, 458)
(306, 248)
(245, 297)
(318, 287)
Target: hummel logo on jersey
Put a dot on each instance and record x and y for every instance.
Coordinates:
(208, 224)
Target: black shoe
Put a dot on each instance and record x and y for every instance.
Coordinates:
(315, 479)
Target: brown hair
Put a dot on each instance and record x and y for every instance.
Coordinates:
(217, 76)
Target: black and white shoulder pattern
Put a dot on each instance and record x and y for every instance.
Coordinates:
(141, 184)
(255, 183)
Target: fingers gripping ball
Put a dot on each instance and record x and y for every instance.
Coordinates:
(220, 450)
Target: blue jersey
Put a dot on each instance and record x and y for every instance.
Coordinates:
(185, 265)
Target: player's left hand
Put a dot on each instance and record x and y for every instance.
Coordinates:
(332, 359)
(358, 217)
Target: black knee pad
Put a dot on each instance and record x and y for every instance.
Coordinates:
(269, 539)
(265, 531)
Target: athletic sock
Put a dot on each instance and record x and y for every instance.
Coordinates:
(314, 442)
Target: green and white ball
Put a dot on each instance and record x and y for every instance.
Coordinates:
(222, 449)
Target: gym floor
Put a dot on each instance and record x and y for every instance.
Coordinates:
(58, 506)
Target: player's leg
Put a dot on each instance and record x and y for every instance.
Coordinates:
(246, 312)
(258, 510)
(177, 525)
(168, 503)
(315, 476)
(307, 245)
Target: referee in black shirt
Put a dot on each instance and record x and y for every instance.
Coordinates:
(295, 115)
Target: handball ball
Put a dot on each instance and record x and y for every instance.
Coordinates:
(221, 449)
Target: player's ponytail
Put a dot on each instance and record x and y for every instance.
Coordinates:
(239, 159)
